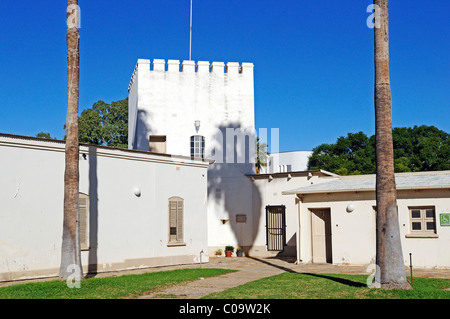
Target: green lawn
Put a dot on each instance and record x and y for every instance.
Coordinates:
(321, 286)
(127, 286)
(283, 286)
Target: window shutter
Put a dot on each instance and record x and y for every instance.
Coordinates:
(176, 222)
(172, 221)
(180, 222)
(83, 209)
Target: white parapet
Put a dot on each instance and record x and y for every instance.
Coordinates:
(188, 66)
(232, 68)
(173, 66)
(217, 67)
(159, 65)
(203, 67)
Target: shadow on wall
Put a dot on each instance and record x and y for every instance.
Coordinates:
(230, 192)
(93, 211)
(142, 129)
(229, 189)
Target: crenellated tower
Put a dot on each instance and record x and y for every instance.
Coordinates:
(166, 99)
(205, 110)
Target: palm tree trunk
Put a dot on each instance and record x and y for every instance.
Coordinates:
(389, 256)
(70, 250)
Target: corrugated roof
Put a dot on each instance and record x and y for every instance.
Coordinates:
(419, 180)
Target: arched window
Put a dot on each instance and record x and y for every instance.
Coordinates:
(176, 220)
(198, 146)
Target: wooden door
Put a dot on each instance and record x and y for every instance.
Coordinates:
(321, 235)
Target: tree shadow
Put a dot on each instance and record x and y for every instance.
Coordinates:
(273, 265)
(343, 281)
(93, 213)
(142, 130)
(230, 192)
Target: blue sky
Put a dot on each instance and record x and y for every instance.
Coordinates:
(313, 60)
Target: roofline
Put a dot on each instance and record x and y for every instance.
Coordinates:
(307, 192)
(362, 190)
(49, 140)
(292, 174)
(290, 152)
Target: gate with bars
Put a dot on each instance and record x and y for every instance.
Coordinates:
(276, 227)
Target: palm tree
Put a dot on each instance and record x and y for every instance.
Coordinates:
(70, 250)
(261, 155)
(389, 256)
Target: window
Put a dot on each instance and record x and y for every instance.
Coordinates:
(83, 209)
(198, 146)
(176, 220)
(422, 220)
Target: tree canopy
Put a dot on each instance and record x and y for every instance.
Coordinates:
(420, 148)
(105, 124)
(44, 135)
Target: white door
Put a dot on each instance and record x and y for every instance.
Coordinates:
(321, 235)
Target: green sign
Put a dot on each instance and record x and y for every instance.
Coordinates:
(445, 219)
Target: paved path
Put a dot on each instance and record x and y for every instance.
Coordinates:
(251, 269)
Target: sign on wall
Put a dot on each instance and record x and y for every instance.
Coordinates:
(445, 219)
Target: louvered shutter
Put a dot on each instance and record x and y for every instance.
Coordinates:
(176, 223)
(172, 221)
(180, 222)
(83, 204)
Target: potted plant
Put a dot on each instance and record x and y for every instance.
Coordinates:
(228, 251)
(239, 252)
(219, 252)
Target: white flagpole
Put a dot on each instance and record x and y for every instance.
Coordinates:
(190, 37)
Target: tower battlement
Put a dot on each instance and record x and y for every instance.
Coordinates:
(192, 67)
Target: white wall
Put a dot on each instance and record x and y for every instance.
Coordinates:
(288, 161)
(165, 99)
(126, 231)
(268, 191)
(353, 234)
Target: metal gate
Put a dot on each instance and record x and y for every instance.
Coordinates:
(275, 228)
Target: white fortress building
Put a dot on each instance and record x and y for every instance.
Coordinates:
(206, 111)
(187, 187)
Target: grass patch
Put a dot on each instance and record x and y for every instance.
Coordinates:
(331, 286)
(126, 286)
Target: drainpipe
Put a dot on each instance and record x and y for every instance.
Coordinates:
(299, 202)
(201, 252)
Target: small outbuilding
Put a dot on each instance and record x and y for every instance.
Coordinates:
(337, 219)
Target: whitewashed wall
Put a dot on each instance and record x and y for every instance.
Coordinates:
(288, 161)
(166, 98)
(126, 231)
(353, 234)
(269, 189)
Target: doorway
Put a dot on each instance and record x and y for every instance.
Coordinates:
(275, 228)
(321, 235)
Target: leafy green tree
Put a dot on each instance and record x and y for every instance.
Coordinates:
(418, 148)
(44, 135)
(105, 124)
(351, 154)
